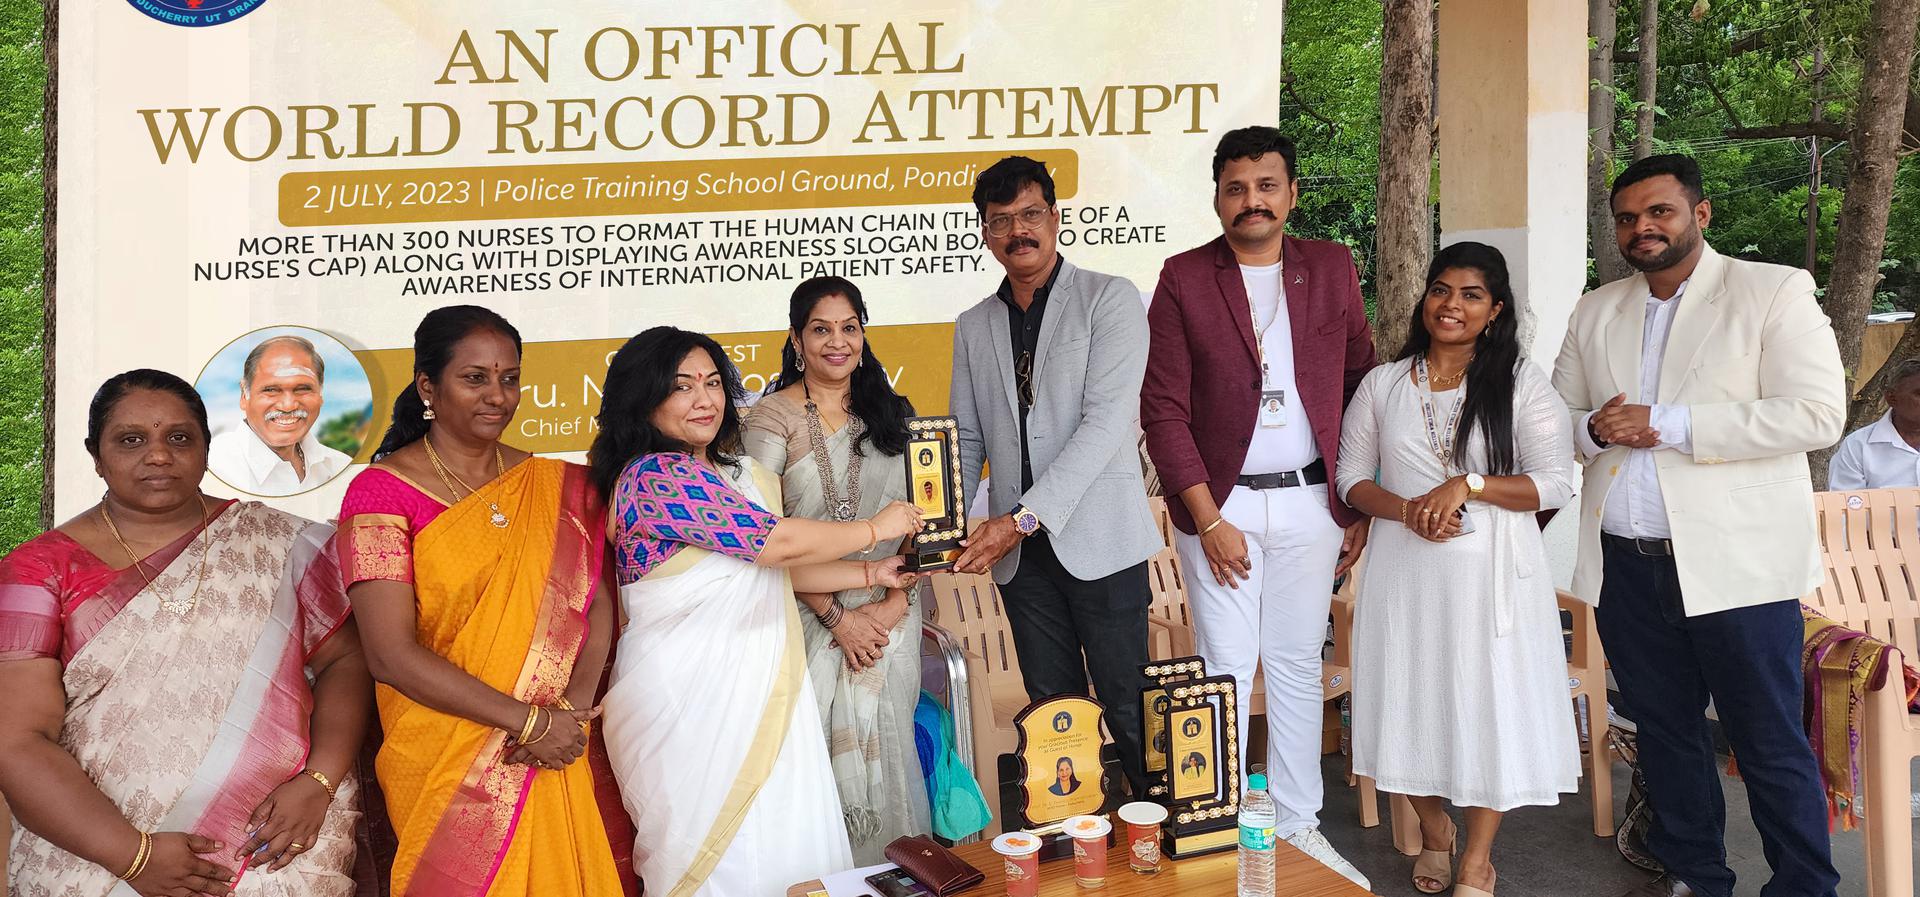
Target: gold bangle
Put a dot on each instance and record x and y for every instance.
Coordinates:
(543, 731)
(1214, 525)
(140, 858)
(526, 729)
(873, 535)
(1403, 514)
(563, 703)
(320, 777)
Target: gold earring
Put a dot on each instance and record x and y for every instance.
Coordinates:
(427, 413)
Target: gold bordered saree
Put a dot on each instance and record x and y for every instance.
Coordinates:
(508, 605)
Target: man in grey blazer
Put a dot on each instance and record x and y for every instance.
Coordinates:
(1046, 386)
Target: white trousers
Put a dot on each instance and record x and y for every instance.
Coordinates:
(1277, 621)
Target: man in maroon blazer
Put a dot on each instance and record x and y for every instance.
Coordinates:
(1258, 340)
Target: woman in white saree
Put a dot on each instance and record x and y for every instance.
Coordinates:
(710, 721)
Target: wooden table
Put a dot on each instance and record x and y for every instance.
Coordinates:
(1213, 875)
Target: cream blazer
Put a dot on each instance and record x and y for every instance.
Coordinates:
(1753, 358)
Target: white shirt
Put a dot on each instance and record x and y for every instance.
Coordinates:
(1875, 456)
(1635, 506)
(242, 461)
(1289, 447)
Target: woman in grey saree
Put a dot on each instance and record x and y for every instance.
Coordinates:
(832, 429)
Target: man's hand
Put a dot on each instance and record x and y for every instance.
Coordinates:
(1226, 549)
(1618, 423)
(987, 544)
(1351, 544)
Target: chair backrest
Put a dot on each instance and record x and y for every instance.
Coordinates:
(1870, 549)
(1168, 587)
(968, 606)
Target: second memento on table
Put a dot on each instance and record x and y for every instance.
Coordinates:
(1060, 767)
(933, 481)
(1203, 733)
(1153, 704)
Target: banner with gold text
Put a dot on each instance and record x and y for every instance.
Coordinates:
(590, 169)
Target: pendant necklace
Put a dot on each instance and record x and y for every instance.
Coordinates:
(499, 518)
(172, 603)
(839, 507)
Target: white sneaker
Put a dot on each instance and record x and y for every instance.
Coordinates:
(1310, 842)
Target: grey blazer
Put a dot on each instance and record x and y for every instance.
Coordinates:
(1082, 433)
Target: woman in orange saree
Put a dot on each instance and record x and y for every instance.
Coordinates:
(477, 570)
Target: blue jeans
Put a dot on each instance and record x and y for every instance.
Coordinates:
(1748, 661)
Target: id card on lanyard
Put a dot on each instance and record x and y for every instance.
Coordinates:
(1439, 441)
(1273, 402)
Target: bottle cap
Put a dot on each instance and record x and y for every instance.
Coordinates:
(1257, 781)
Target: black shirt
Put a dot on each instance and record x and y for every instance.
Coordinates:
(1025, 329)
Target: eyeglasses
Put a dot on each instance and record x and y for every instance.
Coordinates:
(1030, 218)
(1023, 376)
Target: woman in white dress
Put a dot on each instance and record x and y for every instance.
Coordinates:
(1459, 670)
(710, 720)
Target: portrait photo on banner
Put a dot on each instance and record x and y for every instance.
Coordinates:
(290, 408)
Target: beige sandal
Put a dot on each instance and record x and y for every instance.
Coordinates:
(1437, 865)
(1471, 891)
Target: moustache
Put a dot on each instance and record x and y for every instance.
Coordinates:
(1252, 213)
(1022, 243)
(296, 414)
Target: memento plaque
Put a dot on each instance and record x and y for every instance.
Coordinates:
(1203, 760)
(934, 486)
(1059, 751)
(1153, 717)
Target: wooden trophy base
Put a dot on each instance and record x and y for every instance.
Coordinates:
(931, 562)
(1181, 845)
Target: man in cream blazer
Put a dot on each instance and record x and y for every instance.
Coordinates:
(1697, 387)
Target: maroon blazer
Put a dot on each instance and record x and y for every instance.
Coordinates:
(1201, 398)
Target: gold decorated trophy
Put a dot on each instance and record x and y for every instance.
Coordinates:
(933, 482)
(1203, 766)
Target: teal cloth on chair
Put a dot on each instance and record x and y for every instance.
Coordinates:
(959, 809)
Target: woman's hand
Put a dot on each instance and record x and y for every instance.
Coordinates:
(1432, 516)
(565, 739)
(285, 825)
(891, 573)
(896, 521)
(860, 638)
(177, 866)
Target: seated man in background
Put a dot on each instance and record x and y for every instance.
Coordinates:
(1884, 453)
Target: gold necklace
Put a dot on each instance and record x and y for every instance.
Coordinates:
(499, 518)
(1452, 381)
(170, 603)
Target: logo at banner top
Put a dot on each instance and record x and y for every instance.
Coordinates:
(196, 13)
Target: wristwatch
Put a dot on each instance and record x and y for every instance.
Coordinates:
(1024, 521)
(1476, 484)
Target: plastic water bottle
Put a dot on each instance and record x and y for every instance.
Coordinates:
(1257, 818)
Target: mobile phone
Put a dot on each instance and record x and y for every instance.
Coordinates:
(897, 883)
(1466, 521)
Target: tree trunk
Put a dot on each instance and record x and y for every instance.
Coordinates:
(1862, 231)
(1649, 78)
(1403, 235)
(1602, 110)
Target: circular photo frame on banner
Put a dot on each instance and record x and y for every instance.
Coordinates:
(290, 408)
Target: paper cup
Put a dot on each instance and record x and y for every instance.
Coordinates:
(1021, 854)
(1143, 821)
(1089, 835)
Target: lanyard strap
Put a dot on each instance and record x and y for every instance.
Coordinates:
(1253, 318)
(1442, 448)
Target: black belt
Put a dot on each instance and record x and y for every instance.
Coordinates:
(1313, 475)
(1649, 547)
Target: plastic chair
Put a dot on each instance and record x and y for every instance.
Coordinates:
(1870, 547)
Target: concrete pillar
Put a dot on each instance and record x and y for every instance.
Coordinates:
(1512, 116)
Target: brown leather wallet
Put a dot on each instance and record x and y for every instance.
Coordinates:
(932, 865)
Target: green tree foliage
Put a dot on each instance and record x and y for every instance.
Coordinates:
(1741, 64)
(21, 284)
(1331, 54)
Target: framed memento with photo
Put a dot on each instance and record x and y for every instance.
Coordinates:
(1154, 704)
(1204, 766)
(934, 486)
